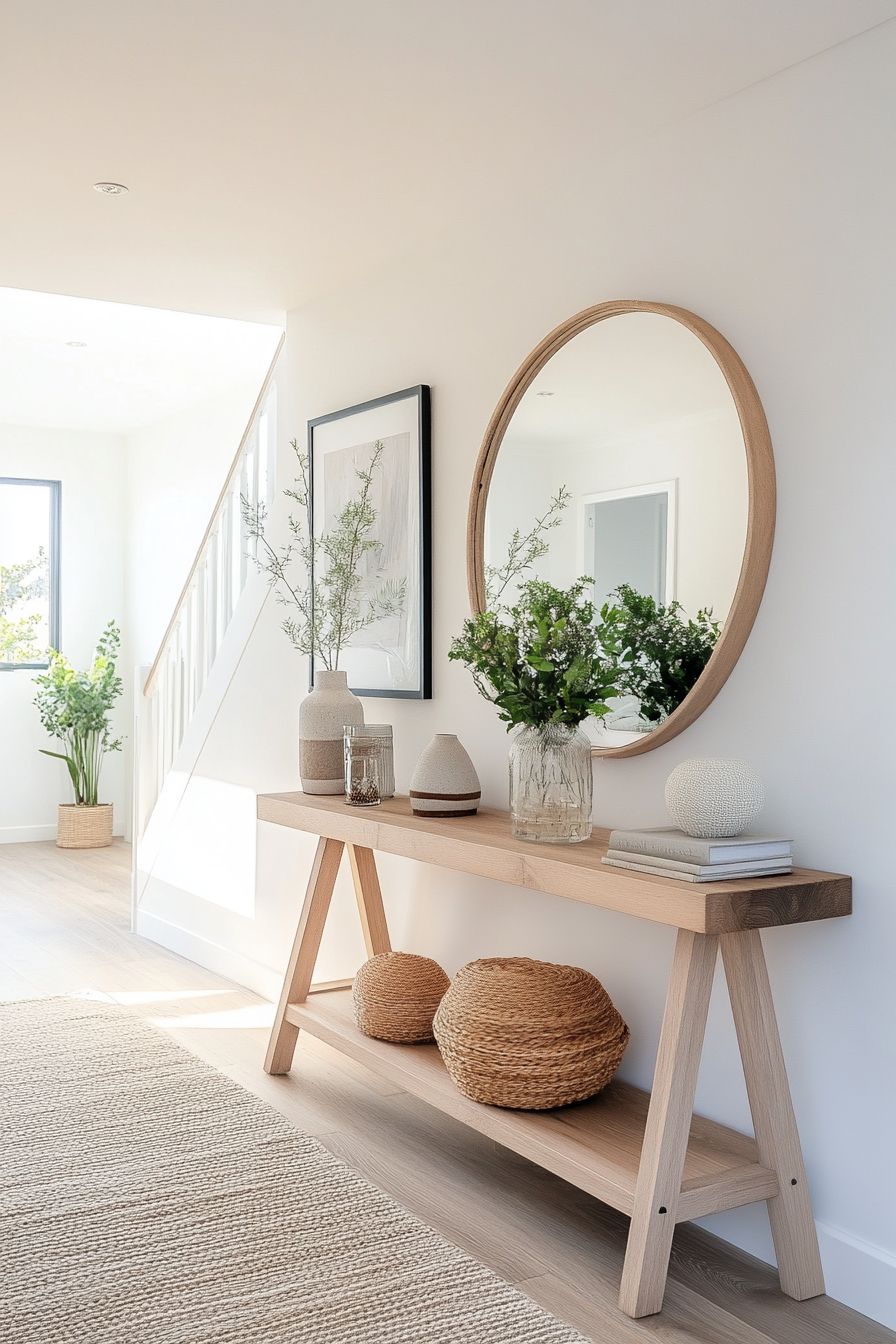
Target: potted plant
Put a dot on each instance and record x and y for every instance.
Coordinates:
(541, 662)
(319, 578)
(75, 708)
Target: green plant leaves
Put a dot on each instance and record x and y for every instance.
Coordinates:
(330, 601)
(75, 708)
(541, 661)
(666, 651)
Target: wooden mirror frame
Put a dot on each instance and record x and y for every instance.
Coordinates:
(760, 508)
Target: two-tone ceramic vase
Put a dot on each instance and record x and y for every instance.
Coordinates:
(323, 715)
(444, 783)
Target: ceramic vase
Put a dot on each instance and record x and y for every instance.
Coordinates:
(714, 798)
(551, 784)
(322, 716)
(444, 783)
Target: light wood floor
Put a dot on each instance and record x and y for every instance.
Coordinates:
(64, 930)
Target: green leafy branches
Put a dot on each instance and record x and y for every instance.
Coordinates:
(667, 650)
(75, 707)
(329, 601)
(524, 549)
(540, 661)
(21, 584)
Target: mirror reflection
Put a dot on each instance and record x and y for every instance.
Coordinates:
(624, 461)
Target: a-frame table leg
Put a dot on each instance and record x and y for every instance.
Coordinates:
(305, 948)
(668, 1124)
(774, 1123)
(370, 900)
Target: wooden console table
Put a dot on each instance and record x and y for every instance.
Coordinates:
(645, 1154)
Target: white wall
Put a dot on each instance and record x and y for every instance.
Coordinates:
(770, 214)
(91, 468)
(176, 468)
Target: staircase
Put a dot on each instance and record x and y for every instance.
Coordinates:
(176, 698)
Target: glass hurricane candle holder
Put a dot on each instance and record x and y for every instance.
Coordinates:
(369, 776)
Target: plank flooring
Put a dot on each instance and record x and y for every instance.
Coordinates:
(64, 929)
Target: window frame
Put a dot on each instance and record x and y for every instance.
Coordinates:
(55, 490)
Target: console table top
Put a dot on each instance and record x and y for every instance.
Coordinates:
(483, 845)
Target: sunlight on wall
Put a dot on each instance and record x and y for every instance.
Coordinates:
(210, 847)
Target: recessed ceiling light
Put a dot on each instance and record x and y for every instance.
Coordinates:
(544, 394)
(111, 188)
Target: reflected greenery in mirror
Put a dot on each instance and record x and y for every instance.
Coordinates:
(552, 658)
(669, 650)
(525, 549)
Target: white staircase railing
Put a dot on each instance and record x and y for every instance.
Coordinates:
(167, 698)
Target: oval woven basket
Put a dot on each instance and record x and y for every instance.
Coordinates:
(396, 995)
(528, 1035)
(81, 827)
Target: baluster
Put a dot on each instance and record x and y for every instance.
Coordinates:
(263, 456)
(248, 474)
(169, 707)
(211, 608)
(160, 692)
(184, 661)
(236, 548)
(225, 538)
(201, 627)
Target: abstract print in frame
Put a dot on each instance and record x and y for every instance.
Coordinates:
(392, 656)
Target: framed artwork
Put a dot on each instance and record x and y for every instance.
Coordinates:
(392, 656)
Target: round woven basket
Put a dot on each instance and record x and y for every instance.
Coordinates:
(80, 827)
(396, 995)
(528, 1035)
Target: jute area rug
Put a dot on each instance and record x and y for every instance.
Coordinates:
(146, 1199)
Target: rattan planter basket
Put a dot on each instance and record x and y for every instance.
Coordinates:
(396, 995)
(82, 827)
(528, 1035)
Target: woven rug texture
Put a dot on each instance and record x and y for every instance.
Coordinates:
(147, 1199)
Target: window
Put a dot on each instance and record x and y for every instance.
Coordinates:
(29, 571)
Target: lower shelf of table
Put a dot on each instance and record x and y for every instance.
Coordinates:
(595, 1145)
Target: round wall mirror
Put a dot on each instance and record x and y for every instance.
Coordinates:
(631, 447)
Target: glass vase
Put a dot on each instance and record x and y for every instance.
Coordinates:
(551, 785)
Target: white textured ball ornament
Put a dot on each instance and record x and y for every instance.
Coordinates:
(714, 798)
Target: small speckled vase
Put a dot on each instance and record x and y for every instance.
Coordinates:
(445, 783)
(322, 716)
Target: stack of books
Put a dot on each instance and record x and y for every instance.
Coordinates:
(671, 853)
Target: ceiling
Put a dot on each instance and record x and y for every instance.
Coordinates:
(620, 382)
(130, 367)
(275, 150)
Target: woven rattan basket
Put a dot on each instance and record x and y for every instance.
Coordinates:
(396, 995)
(528, 1035)
(84, 827)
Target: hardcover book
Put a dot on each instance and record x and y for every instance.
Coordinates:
(674, 866)
(669, 843)
(708, 875)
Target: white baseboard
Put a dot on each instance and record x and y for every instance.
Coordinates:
(222, 960)
(19, 835)
(859, 1274)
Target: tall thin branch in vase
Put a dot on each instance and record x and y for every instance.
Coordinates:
(318, 575)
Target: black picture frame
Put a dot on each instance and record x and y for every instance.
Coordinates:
(420, 392)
